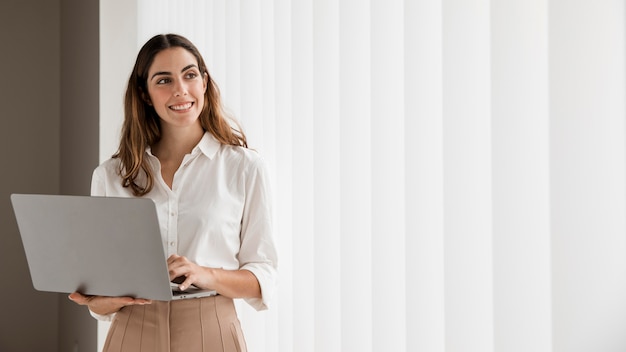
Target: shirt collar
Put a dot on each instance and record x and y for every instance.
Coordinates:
(208, 145)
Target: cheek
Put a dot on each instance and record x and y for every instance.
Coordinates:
(159, 104)
(200, 97)
(201, 101)
(158, 97)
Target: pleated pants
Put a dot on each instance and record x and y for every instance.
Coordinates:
(208, 324)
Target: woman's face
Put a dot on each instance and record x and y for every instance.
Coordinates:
(176, 88)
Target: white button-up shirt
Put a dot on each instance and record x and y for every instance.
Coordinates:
(218, 212)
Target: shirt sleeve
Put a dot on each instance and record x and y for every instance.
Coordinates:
(258, 251)
(98, 188)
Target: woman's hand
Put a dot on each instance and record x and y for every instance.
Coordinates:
(106, 305)
(188, 273)
(229, 283)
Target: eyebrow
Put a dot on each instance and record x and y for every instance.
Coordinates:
(169, 73)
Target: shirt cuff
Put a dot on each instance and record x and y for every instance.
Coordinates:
(266, 275)
(102, 317)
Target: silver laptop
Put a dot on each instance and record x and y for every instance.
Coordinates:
(96, 245)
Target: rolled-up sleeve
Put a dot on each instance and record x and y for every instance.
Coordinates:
(258, 252)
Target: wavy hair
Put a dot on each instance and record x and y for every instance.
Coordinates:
(142, 125)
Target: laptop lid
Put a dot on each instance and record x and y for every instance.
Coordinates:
(104, 246)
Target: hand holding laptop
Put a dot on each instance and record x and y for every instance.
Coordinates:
(104, 305)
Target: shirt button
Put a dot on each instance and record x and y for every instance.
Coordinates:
(172, 244)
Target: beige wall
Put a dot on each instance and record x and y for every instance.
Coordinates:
(49, 141)
(79, 139)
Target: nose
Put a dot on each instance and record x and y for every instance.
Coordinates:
(180, 88)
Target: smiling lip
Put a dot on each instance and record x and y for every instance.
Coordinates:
(181, 107)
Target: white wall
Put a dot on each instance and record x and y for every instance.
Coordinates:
(118, 47)
(449, 175)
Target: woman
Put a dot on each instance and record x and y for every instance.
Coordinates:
(211, 192)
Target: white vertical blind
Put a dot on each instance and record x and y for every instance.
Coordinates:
(448, 175)
(326, 173)
(587, 136)
(521, 169)
(467, 164)
(303, 225)
(423, 134)
(387, 156)
(284, 176)
(355, 289)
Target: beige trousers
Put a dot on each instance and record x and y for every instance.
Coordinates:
(199, 324)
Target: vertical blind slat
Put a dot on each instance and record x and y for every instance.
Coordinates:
(326, 162)
(424, 176)
(387, 153)
(355, 174)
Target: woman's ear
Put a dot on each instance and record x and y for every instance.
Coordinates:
(205, 79)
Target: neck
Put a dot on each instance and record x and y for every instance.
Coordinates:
(175, 143)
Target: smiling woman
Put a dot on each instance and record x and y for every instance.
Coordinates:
(176, 88)
(176, 92)
(171, 95)
(178, 149)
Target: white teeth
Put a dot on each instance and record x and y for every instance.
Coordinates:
(181, 107)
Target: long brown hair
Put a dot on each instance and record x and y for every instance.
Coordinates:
(142, 125)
